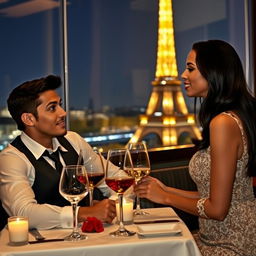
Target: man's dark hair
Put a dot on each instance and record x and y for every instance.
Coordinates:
(25, 97)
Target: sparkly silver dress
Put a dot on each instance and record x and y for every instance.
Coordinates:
(236, 235)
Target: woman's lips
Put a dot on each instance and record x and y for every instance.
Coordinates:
(187, 86)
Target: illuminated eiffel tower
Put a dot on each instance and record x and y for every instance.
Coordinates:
(166, 115)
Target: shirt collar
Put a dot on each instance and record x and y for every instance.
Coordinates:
(37, 149)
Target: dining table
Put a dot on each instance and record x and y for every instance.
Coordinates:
(160, 232)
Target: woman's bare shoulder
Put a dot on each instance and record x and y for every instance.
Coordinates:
(223, 120)
(224, 128)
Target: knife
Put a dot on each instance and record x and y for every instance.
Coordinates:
(41, 239)
(46, 240)
(154, 221)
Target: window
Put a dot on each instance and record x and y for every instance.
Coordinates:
(111, 54)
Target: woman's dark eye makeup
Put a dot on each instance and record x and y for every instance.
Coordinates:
(190, 69)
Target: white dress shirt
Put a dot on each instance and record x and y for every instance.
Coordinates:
(17, 176)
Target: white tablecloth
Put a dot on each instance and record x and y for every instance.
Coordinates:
(101, 244)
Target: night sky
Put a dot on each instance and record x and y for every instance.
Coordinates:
(112, 44)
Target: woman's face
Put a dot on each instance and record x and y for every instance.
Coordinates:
(195, 84)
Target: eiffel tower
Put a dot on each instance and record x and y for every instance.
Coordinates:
(167, 114)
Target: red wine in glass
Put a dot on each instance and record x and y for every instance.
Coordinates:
(95, 171)
(82, 179)
(119, 181)
(73, 187)
(119, 185)
(95, 178)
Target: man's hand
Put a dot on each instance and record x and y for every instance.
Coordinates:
(104, 210)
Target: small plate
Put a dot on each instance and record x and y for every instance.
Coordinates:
(160, 229)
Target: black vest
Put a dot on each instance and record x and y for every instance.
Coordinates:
(46, 184)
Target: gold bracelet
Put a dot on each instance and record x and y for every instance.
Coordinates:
(200, 207)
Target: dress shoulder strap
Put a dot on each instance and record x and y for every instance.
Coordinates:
(239, 123)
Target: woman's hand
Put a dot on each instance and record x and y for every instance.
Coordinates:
(164, 187)
(152, 189)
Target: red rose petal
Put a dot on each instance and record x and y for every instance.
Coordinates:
(92, 224)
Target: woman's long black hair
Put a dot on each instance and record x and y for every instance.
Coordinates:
(220, 65)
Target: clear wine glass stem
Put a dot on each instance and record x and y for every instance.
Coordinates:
(121, 223)
(137, 203)
(138, 210)
(91, 195)
(137, 200)
(74, 209)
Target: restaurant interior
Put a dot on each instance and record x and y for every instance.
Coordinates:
(113, 68)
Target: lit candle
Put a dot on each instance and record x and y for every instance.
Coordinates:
(127, 210)
(18, 230)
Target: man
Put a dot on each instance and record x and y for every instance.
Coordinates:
(28, 178)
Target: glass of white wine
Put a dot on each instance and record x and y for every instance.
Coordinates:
(119, 182)
(141, 167)
(73, 187)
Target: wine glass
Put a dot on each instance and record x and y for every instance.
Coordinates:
(95, 171)
(119, 181)
(141, 167)
(73, 187)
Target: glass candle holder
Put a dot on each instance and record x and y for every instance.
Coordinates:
(127, 210)
(18, 230)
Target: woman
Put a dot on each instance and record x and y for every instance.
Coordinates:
(226, 161)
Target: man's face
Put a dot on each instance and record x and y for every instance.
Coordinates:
(51, 116)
